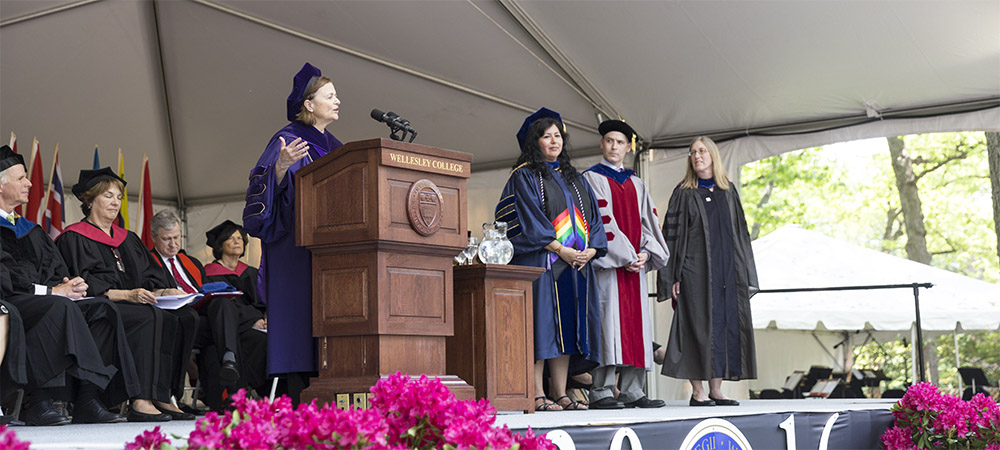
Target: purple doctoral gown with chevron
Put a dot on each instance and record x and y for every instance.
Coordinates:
(285, 274)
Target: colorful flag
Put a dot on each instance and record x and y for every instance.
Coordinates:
(13, 146)
(36, 195)
(145, 206)
(97, 160)
(123, 213)
(55, 211)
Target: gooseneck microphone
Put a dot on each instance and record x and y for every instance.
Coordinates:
(399, 126)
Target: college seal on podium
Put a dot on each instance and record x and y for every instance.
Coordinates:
(423, 207)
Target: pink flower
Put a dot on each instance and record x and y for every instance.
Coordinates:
(149, 439)
(406, 413)
(531, 442)
(8, 440)
(896, 438)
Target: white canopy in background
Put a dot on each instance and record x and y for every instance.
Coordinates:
(200, 85)
(792, 257)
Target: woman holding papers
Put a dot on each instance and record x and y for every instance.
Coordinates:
(710, 276)
(115, 263)
(228, 242)
(286, 269)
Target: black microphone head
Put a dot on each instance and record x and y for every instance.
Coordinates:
(391, 115)
(378, 115)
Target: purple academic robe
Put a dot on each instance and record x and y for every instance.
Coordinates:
(284, 282)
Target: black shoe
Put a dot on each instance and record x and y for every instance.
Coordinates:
(645, 402)
(177, 415)
(92, 411)
(229, 374)
(708, 402)
(725, 401)
(44, 413)
(136, 416)
(607, 403)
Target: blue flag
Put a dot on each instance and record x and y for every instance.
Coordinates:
(97, 160)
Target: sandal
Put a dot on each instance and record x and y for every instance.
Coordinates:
(573, 405)
(546, 405)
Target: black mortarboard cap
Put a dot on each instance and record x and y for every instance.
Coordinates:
(90, 178)
(216, 236)
(542, 113)
(9, 159)
(616, 125)
(299, 86)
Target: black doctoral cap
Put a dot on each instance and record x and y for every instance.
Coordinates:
(216, 236)
(9, 159)
(90, 178)
(616, 125)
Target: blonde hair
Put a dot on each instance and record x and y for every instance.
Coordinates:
(306, 116)
(718, 170)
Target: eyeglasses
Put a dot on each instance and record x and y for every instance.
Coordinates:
(700, 151)
(118, 258)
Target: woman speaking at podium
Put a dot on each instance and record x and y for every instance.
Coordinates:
(285, 283)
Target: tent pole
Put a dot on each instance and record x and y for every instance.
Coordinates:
(920, 334)
(957, 361)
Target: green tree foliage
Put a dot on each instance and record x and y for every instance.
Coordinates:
(850, 194)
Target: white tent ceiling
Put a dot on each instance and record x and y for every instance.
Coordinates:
(199, 85)
(792, 257)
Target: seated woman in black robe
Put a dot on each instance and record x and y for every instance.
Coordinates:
(115, 263)
(228, 241)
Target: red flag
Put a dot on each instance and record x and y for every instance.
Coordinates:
(145, 206)
(55, 211)
(36, 195)
(13, 146)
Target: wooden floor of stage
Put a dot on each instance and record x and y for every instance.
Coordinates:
(114, 436)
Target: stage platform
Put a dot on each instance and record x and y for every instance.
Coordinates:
(755, 424)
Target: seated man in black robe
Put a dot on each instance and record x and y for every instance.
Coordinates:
(65, 351)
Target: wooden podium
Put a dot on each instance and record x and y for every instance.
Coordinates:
(383, 220)
(493, 346)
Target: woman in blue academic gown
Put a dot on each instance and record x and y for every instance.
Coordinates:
(284, 282)
(553, 222)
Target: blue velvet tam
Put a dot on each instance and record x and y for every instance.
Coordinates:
(542, 113)
(90, 178)
(10, 159)
(300, 84)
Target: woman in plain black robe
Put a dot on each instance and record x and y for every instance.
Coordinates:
(710, 275)
(115, 263)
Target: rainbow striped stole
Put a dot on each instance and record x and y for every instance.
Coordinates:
(571, 231)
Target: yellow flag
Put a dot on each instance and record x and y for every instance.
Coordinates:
(123, 214)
